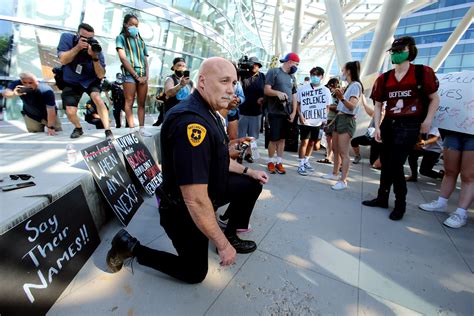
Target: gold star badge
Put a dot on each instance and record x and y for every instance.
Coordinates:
(196, 134)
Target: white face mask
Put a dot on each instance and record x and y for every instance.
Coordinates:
(343, 77)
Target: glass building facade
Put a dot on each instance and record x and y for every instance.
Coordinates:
(431, 28)
(195, 29)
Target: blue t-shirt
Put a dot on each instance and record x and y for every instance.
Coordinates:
(36, 102)
(82, 63)
(240, 93)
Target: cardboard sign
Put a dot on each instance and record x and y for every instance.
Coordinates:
(110, 175)
(456, 107)
(42, 255)
(313, 104)
(140, 160)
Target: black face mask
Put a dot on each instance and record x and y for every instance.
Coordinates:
(178, 73)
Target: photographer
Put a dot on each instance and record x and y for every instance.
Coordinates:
(83, 68)
(253, 85)
(39, 105)
(178, 86)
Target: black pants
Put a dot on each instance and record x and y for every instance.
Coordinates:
(430, 158)
(364, 140)
(398, 139)
(191, 263)
(118, 122)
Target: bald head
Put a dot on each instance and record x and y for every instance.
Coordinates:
(216, 81)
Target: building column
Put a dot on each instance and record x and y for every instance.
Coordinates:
(297, 26)
(453, 39)
(338, 31)
(328, 66)
(384, 30)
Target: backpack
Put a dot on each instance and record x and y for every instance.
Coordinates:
(419, 85)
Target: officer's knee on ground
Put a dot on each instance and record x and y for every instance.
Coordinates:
(196, 275)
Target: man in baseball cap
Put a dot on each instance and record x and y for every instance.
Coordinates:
(280, 88)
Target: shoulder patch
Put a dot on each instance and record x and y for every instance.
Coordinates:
(196, 134)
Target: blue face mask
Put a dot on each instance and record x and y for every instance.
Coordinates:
(343, 77)
(133, 30)
(293, 69)
(315, 80)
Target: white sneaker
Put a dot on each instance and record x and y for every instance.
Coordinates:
(308, 167)
(302, 171)
(433, 206)
(456, 220)
(340, 185)
(330, 176)
(144, 133)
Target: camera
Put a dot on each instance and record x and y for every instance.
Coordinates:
(95, 46)
(245, 67)
(25, 90)
(243, 149)
(186, 74)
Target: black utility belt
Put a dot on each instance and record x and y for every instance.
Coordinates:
(411, 123)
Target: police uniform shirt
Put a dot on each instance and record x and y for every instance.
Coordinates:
(194, 148)
(402, 97)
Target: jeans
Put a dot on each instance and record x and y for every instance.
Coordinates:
(430, 158)
(398, 140)
(191, 263)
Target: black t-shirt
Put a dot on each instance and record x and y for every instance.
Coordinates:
(253, 90)
(194, 148)
(35, 103)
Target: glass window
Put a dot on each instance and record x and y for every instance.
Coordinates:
(423, 52)
(442, 25)
(427, 18)
(453, 61)
(6, 38)
(412, 29)
(51, 12)
(455, 22)
(422, 60)
(467, 61)
(446, 15)
(427, 27)
(413, 20)
(458, 49)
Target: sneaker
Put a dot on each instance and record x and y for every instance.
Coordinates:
(357, 159)
(456, 220)
(330, 176)
(302, 171)
(109, 135)
(433, 206)
(279, 168)
(271, 167)
(340, 185)
(144, 133)
(308, 167)
(77, 132)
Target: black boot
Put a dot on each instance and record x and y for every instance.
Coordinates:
(398, 211)
(380, 201)
(122, 248)
(242, 246)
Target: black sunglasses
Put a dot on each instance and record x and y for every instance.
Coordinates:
(21, 176)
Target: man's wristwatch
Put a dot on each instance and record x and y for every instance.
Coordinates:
(342, 100)
(51, 127)
(245, 170)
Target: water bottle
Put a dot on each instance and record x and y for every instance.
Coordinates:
(254, 149)
(71, 154)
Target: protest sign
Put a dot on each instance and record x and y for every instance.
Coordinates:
(313, 104)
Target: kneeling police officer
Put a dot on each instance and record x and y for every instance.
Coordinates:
(198, 177)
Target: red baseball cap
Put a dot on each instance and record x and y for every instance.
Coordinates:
(290, 56)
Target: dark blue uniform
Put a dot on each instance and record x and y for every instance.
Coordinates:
(194, 149)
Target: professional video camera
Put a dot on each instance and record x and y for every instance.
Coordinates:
(95, 46)
(245, 67)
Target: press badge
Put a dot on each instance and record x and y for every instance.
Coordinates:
(78, 69)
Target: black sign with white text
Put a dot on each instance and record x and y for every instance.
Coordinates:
(140, 160)
(41, 256)
(113, 180)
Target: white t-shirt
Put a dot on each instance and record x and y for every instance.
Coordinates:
(314, 103)
(438, 145)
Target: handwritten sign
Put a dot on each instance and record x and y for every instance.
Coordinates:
(140, 160)
(456, 108)
(313, 104)
(110, 175)
(42, 255)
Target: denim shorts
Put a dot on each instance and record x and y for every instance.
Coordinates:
(459, 142)
(129, 79)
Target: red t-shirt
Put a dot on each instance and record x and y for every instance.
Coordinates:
(402, 97)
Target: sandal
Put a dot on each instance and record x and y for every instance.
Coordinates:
(325, 160)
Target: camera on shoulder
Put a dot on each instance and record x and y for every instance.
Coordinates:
(245, 66)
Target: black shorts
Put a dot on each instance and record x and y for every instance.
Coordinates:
(279, 126)
(72, 94)
(309, 132)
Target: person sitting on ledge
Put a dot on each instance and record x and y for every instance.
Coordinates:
(39, 105)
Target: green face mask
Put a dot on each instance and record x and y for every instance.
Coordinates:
(399, 57)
